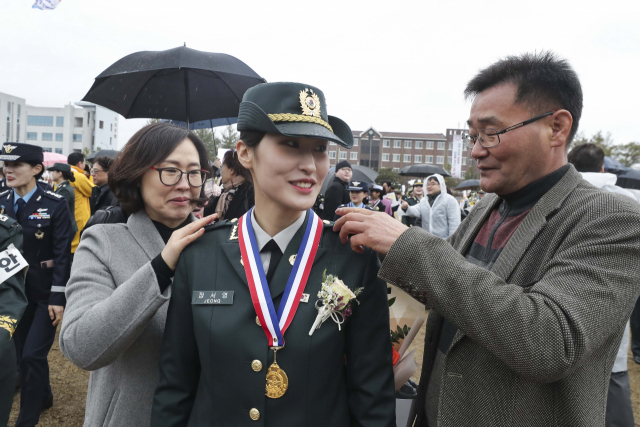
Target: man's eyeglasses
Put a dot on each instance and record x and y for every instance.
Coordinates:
(172, 176)
(491, 137)
(95, 171)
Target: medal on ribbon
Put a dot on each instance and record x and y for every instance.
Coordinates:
(275, 324)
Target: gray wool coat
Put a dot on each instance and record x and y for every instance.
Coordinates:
(114, 320)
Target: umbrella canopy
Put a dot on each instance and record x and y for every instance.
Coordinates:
(181, 84)
(470, 184)
(360, 173)
(51, 158)
(204, 124)
(614, 166)
(100, 153)
(423, 171)
(629, 179)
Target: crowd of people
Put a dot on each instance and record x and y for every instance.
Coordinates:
(175, 278)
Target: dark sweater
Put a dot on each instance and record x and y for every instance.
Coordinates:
(164, 273)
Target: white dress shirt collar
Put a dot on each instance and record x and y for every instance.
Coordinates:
(282, 238)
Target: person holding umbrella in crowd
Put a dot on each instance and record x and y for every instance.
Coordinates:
(46, 224)
(378, 202)
(358, 194)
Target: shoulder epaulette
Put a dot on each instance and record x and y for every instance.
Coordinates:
(220, 224)
(4, 192)
(54, 195)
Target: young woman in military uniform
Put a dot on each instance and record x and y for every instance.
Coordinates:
(225, 359)
(46, 225)
(358, 192)
(63, 177)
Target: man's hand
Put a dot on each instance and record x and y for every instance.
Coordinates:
(55, 313)
(375, 230)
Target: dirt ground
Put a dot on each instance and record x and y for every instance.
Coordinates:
(69, 385)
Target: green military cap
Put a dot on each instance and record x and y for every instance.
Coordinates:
(291, 109)
(60, 167)
(418, 182)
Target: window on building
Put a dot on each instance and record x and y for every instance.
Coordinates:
(396, 169)
(111, 127)
(101, 124)
(32, 136)
(40, 120)
(47, 136)
(407, 144)
(332, 154)
(407, 158)
(417, 158)
(449, 160)
(451, 147)
(429, 145)
(59, 122)
(343, 155)
(355, 142)
(385, 157)
(440, 145)
(353, 155)
(77, 122)
(439, 160)
(59, 137)
(418, 144)
(428, 159)
(386, 143)
(464, 161)
(46, 149)
(396, 157)
(58, 150)
(396, 143)
(77, 137)
(332, 143)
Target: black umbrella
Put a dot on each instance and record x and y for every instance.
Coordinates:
(423, 171)
(100, 153)
(469, 184)
(360, 173)
(614, 166)
(629, 179)
(178, 84)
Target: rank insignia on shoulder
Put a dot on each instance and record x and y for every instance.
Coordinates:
(54, 194)
(234, 233)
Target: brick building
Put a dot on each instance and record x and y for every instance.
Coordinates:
(397, 150)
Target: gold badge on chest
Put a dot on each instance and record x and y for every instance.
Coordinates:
(39, 235)
(277, 380)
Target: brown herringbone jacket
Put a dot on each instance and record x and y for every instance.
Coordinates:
(538, 334)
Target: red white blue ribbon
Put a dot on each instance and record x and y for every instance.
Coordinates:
(275, 325)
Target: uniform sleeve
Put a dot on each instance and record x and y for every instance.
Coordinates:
(413, 211)
(101, 320)
(61, 225)
(13, 300)
(370, 384)
(179, 360)
(453, 215)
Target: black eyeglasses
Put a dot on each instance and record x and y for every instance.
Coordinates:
(172, 176)
(491, 137)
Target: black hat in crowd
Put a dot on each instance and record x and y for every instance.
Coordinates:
(418, 182)
(343, 164)
(16, 151)
(358, 186)
(291, 109)
(60, 167)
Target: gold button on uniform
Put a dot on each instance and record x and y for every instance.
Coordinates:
(254, 414)
(256, 365)
(258, 321)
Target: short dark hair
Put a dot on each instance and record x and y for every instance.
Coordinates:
(587, 158)
(230, 159)
(148, 147)
(544, 81)
(433, 178)
(105, 162)
(389, 183)
(74, 158)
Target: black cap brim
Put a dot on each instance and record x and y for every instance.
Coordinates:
(252, 118)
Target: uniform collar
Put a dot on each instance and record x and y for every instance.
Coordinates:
(282, 238)
(26, 197)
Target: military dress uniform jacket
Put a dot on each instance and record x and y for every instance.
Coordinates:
(66, 190)
(215, 357)
(46, 228)
(13, 302)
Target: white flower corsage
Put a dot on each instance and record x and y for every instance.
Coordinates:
(334, 301)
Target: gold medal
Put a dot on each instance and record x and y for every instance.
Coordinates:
(39, 235)
(277, 381)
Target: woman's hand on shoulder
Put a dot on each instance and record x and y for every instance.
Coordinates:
(182, 237)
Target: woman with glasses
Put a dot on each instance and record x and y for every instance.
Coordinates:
(119, 287)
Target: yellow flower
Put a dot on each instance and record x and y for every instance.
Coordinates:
(343, 291)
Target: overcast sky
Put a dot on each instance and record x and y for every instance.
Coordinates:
(397, 66)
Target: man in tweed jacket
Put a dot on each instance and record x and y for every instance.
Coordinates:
(530, 297)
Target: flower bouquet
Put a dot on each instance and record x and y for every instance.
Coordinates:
(334, 301)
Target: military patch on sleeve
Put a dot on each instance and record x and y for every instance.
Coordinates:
(51, 193)
(4, 192)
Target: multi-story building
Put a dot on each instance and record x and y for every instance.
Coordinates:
(397, 150)
(12, 112)
(75, 127)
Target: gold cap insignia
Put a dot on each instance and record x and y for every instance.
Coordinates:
(310, 103)
(9, 148)
(355, 183)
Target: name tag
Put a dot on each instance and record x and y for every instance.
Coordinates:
(212, 298)
(11, 262)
